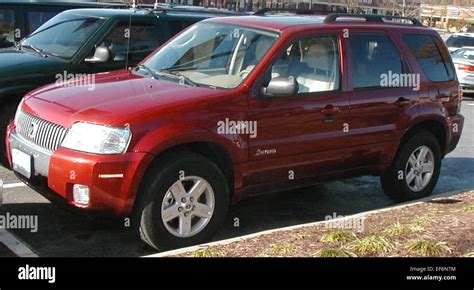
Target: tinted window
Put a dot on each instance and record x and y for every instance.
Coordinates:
(143, 40)
(36, 18)
(312, 62)
(63, 35)
(430, 58)
(373, 56)
(7, 26)
(460, 41)
(177, 26)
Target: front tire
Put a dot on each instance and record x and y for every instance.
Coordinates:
(184, 201)
(415, 169)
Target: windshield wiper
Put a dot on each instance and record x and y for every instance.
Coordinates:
(37, 50)
(149, 70)
(181, 77)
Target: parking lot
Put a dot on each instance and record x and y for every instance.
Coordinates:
(62, 233)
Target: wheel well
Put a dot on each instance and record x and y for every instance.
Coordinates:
(214, 152)
(434, 127)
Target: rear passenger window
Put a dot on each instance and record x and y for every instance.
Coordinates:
(436, 66)
(373, 56)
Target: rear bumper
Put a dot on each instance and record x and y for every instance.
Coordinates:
(113, 180)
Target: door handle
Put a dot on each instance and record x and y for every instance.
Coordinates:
(402, 102)
(330, 110)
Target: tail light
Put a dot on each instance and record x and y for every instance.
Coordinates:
(466, 67)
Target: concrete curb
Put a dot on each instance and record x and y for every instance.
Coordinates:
(250, 236)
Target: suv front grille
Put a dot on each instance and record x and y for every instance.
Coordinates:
(40, 132)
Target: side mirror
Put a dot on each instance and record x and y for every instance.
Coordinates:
(101, 54)
(281, 87)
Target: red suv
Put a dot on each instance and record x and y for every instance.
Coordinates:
(239, 106)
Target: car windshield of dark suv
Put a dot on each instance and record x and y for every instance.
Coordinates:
(212, 55)
(63, 35)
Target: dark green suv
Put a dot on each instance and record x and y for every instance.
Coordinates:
(18, 18)
(87, 41)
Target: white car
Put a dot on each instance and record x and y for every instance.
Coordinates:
(463, 60)
(458, 40)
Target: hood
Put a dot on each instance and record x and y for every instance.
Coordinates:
(114, 98)
(16, 66)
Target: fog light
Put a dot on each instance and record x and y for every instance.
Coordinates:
(80, 194)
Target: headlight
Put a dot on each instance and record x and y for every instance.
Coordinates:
(97, 139)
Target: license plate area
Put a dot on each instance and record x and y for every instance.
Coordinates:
(22, 163)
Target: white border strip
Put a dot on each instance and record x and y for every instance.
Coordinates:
(250, 236)
(18, 247)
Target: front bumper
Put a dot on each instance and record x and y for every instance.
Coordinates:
(113, 180)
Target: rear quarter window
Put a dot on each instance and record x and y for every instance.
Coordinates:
(432, 57)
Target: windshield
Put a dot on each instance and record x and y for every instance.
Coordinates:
(63, 35)
(211, 54)
(459, 41)
(6, 27)
(464, 53)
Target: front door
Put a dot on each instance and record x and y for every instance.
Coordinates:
(302, 135)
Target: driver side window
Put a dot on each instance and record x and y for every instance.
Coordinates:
(312, 62)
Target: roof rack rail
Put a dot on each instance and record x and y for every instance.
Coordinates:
(162, 7)
(332, 18)
(262, 11)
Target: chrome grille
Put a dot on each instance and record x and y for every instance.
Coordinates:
(40, 132)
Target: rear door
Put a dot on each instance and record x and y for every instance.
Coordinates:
(383, 98)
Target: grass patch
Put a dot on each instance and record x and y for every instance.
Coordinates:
(334, 253)
(421, 221)
(469, 255)
(338, 236)
(428, 247)
(397, 229)
(467, 208)
(280, 249)
(371, 245)
(206, 253)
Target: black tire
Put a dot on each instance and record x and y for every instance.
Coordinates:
(6, 116)
(159, 178)
(393, 182)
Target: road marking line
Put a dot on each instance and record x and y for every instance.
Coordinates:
(13, 185)
(470, 104)
(15, 245)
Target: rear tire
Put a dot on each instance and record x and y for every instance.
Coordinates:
(415, 169)
(166, 194)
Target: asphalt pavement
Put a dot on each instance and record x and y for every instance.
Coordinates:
(63, 233)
